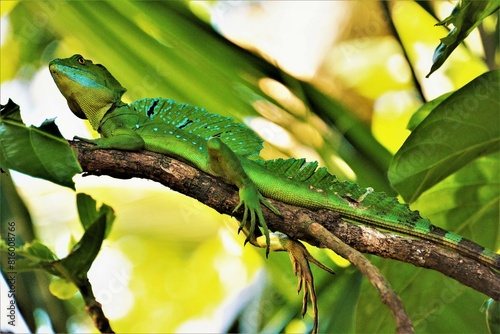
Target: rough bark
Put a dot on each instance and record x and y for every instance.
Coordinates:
(294, 221)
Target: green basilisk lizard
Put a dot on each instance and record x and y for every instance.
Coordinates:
(221, 147)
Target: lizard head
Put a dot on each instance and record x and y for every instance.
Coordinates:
(91, 91)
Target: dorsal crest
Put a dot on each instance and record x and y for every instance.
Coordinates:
(195, 122)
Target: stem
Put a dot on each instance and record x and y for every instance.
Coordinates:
(388, 14)
(94, 308)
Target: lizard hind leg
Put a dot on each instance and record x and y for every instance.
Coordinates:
(300, 258)
(223, 162)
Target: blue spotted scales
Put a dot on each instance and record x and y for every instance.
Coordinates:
(226, 149)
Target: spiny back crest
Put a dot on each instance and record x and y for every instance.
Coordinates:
(195, 122)
(309, 173)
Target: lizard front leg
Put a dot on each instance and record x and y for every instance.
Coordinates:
(120, 139)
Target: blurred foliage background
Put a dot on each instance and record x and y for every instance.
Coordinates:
(333, 81)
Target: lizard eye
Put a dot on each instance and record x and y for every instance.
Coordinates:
(81, 60)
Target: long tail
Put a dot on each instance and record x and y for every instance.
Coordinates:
(371, 208)
(423, 229)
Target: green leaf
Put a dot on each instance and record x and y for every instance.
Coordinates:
(35, 251)
(74, 267)
(40, 152)
(34, 255)
(434, 302)
(89, 214)
(97, 223)
(62, 288)
(461, 128)
(71, 270)
(465, 17)
(425, 110)
(468, 201)
(39, 250)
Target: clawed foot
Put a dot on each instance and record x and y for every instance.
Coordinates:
(251, 199)
(300, 258)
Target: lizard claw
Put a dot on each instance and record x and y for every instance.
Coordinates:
(300, 258)
(251, 199)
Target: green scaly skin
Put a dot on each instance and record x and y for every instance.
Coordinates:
(217, 145)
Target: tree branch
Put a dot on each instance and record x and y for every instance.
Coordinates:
(294, 221)
(389, 297)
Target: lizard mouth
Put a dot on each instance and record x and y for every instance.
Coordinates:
(56, 69)
(52, 68)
